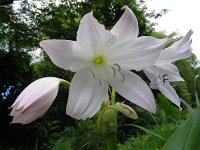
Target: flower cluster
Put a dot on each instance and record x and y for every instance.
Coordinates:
(104, 59)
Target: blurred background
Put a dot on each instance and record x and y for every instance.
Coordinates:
(23, 24)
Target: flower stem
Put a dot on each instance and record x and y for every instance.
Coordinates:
(64, 83)
(111, 141)
(113, 96)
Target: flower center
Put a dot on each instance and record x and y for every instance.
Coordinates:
(99, 60)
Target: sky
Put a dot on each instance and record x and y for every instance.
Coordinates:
(182, 16)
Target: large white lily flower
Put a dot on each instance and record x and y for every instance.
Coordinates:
(35, 100)
(101, 58)
(163, 71)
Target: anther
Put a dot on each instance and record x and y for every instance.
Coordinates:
(164, 77)
(117, 71)
(118, 66)
(123, 77)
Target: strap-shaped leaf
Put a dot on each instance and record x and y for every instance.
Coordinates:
(187, 136)
(195, 89)
(148, 131)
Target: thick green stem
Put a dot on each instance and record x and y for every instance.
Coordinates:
(107, 124)
(111, 141)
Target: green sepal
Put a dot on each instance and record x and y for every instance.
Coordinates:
(107, 122)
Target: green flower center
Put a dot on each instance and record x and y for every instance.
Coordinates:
(99, 60)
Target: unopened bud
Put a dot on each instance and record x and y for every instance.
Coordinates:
(126, 110)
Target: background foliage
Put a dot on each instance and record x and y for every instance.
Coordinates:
(20, 32)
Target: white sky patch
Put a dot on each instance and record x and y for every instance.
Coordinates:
(37, 55)
(182, 16)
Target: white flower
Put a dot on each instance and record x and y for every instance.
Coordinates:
(163, 71)
(35, 100)
(101, 58)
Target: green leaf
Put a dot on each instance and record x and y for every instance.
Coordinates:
(84, 145)
(148, 131)
(62, 144)
(36, 145)
(187, 136)
(195, 90)
(187, 105)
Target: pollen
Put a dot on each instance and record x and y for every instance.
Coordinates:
(99, 60)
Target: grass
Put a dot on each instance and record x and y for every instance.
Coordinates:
(149, 141)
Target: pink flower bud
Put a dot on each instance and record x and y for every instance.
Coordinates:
(35, 100)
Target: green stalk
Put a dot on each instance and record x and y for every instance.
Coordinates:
(64, 83)
(113, 96)
(111, 141)
(107, 124)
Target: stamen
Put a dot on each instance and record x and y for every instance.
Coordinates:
(123, 76)
(100, 76)
(109, 91)
(118, 66)
(92, 73)
(117, 71)
(114, 72)
(165, 75)
(164, 78)
(99, 62)
(100, 82)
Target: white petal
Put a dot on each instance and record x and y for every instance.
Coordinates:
(166, 90)
(127, 26)
(63, 54)
(92, 37)
(184, 39)
(179, 50)
(170, 71)
(134, 89)
(136, 54)
(151, 73)
(85, 95)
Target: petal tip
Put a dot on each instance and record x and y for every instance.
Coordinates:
(88, 16)
(190, 32)
(153, 109)
(180, 108)
(43, 43)
(124, 7)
